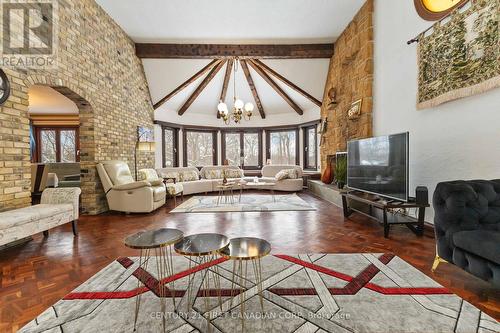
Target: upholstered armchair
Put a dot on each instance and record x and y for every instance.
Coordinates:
(467, 226)
(173, 188)
(126, 195)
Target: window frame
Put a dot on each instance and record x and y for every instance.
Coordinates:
(175, 145)
(284, 129)
(199, 130)
(57, 129)
(242, 133)
(306, 147)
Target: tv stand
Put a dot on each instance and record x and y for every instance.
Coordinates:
(380, 209)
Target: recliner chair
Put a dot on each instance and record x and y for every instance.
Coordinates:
(124, 194)
(467, 226)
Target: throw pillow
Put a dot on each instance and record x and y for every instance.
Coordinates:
(286, 174)
(213, 174)
(233, 173)
(189, 176)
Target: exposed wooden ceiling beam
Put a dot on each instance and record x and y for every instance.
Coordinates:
(227, 76)
(211, 51)
(200, 88)
(277, 88)
(285, 81)
(253, 88)
(186, 83)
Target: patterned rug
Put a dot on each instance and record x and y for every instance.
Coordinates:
(302, 293)
(249, 203)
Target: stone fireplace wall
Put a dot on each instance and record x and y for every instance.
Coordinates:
(351, 75)
(96, 67)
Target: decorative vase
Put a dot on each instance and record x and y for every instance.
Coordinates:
(327, 176)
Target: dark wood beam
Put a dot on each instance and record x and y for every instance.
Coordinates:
(186, 83)
(211, 51)
(286, 81)
(200, 88)
(277, 88)
(253, 88)
(227, 76)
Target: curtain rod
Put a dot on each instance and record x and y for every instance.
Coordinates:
(416, 39)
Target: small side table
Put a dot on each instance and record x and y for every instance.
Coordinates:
(202, 248)
(245, 249)
(160, 241)
(225, 194)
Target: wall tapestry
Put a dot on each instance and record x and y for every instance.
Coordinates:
(461, 57)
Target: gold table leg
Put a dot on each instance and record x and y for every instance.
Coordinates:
(437, 261)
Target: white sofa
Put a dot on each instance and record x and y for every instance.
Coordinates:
(126, 195)
(57, 206)
(289, 185)
(207, 179)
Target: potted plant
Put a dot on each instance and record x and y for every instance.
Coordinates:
(341, 171)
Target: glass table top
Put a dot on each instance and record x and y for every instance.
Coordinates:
(201, 244)
(246, 248)
(153, 238)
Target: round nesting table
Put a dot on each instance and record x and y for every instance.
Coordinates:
(202, 250)
(225, 193)
(160, 242)
(242, 250)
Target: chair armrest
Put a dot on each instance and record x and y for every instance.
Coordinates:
(156, 182)
(166, 180)
(63, 195)
(131, 186)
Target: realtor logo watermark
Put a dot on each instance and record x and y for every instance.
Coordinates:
(29, 33)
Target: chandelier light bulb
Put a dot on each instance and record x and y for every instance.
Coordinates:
(238, 104)
(249, 107)
(222, 107)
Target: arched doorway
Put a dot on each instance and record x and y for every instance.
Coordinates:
(92, 196)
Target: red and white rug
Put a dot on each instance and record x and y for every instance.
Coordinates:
(302, 293)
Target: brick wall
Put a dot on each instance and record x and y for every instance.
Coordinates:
(97, 68)
(351, 74)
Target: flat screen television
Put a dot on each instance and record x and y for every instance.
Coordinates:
(379, 165)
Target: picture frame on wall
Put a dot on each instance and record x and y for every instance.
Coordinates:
(145, 134)
(355, 109)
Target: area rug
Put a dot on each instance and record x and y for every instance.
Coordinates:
(302, 293)
(249, 203)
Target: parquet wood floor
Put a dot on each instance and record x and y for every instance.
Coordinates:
(35, 275)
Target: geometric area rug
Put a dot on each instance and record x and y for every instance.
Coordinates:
(366, 292)
(247, 203)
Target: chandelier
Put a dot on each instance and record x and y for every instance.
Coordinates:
(240, 110)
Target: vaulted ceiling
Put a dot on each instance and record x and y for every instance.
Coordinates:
(283, 85)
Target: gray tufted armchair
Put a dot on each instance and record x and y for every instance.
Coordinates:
(467, 226)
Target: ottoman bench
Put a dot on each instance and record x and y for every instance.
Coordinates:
(57, 206)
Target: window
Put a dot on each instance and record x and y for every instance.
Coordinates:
(170, 147)
(310, 148)
(57, 144)
(242, 149)
(282, 147)
(200, 148)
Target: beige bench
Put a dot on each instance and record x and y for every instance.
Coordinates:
(57, 206)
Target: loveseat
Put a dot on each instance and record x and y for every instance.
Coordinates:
(206, 180)
(467, 226)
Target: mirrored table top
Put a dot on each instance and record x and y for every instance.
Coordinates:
(153, 238)
(246, 248)
(201, 244)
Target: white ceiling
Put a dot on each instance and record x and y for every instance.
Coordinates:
(233, 21)
(46, 100)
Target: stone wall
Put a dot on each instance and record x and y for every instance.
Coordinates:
(351, 75)
(97, 68)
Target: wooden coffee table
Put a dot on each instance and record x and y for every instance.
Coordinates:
(258, 185)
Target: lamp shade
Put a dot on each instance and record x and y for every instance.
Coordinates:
(52, 180)
(145, 146)
(249, 107)
(238, 104)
